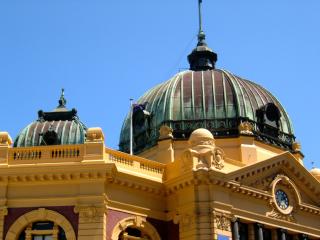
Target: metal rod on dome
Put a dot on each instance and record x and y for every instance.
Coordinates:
(200, 16)
(131, 126)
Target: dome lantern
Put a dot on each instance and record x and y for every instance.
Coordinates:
(202, 57)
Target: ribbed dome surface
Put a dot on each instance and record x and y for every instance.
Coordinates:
(68, 132)
(214, 99)
(58, 127)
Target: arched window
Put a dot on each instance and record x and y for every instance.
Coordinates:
(43, 224)
(44, 230)
(134, 228)
(133, 234)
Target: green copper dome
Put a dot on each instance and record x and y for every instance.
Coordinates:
(58, 127)
(213, 99)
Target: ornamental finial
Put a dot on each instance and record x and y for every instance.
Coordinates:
(202, 57)
(62, 100)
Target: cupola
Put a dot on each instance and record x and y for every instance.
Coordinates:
(58, 127)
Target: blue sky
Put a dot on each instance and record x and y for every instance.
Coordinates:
(105, 52)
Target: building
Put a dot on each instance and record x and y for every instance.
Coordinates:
(215, 157)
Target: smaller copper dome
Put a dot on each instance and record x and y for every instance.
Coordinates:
(58, 127)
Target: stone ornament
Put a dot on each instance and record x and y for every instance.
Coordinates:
(165, 132)
(296, 147)
(202, 152)
(282, 183)
(94, 135)
(3, 211)
(246, 128)
(222, 221)
(5, 138)
(89, 213)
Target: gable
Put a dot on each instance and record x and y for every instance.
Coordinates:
(260, 176)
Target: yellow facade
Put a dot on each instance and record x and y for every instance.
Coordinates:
(201, 187)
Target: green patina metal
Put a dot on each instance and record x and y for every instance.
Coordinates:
(214, 99)
(58, 127)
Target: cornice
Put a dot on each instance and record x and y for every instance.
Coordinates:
(78, 174)
(139, 186)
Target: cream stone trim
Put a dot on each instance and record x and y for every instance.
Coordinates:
(157, 190)
(138, 222)
(40, 214)
(89, 214)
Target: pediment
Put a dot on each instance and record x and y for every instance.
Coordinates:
(261, 176)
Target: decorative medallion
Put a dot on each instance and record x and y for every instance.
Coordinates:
(285, 198)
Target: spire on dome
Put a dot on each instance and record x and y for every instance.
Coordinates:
(202, 57)
(62, 100)
(201, 34)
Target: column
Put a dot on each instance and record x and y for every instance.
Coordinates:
(235, 230)
(260, 231)
(283, 234)
(303, 237)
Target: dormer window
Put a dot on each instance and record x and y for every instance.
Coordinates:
(268, 118)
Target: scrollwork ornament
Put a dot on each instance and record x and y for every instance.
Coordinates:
(278, 215)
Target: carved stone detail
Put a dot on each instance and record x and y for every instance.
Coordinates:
(296, 147)
(246, 128)
(94, 135)
(89, 213)
(222, 221)
(218, 158)
(281, 181)
(276, 214)
(202, 152)
(165, 132)
(3, 211)
(5, 138)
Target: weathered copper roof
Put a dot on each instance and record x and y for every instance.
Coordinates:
(57, 127)
(68, 132)
(213, 99)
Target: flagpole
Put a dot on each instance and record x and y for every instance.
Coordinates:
(131, 127)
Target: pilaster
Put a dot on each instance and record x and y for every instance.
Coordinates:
(3, 213)
(92, 222)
